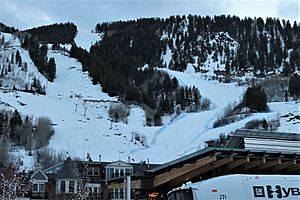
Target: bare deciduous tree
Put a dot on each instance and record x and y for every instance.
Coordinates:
(118, 112)
(44, 130)
(4, 156)
(48, 156)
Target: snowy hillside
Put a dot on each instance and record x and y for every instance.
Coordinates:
(79, 111)
(18, 74)
(85, 39)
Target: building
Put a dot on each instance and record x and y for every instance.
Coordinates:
(247, 152)
(264, 140)
(73, 179)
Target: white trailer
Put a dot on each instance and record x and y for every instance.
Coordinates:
(241, 187)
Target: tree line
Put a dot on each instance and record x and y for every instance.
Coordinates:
(263, 46)
(23, 131)
(35, 40)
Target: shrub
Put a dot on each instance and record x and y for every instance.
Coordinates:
(205, 104)
(275, 87)
(220, 142)
(231, 114)
(118, 112)
(257, 124)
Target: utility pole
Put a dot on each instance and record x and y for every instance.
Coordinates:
(128, 187)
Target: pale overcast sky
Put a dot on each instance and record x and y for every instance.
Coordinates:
(24, 14)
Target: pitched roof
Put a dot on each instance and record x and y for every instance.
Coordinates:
(70, 169)
(40, 176)
(54, 168)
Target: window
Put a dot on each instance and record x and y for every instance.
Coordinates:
(121, 193)
(96, 171)
(38, 187)
(42, 187)
(184, 194)
(78, 182)
(90, 191)
(117, 173)
(93, 189)
(62, 186)
(116, 193)
(121, 172)
(111, 172)
(71, 186)
(35, 187)
(95, 193)
(90, 170)
(93, 171)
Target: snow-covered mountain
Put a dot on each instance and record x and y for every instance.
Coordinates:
(79, 111)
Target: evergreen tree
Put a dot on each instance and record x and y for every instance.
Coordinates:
(294, 85)
(15, 124)
(51, 69)
(157, 119)
(227, 67)
(256, 99)
(1, 123)
(17, 59)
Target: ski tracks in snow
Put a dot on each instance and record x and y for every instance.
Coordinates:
(159, 132)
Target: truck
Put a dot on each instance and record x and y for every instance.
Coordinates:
(240, 187)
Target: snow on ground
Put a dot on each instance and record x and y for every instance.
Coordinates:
(86, 39)
(79, 111)
(285, 109)
(219, 93)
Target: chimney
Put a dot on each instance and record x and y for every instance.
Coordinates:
(99, 158)
(148, 163)
(129, 159)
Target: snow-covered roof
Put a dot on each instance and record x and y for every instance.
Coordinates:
(266, 134)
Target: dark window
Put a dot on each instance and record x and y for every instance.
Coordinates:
(111, 172)
(95, 192)
(42, 187)
(71, 186)
(90, 170)
(116, 193)
(121, 193)
(35, 188)
(62, 187)
(90, 191)
(185, 194)
(96, 171)
(78, 185)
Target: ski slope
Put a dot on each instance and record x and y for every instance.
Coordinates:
(86, 39)
(79, 111)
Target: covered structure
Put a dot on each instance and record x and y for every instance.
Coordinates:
(265, 140)
(208, 163)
